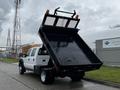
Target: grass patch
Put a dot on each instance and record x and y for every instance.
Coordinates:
(105, 73)
(9, 60)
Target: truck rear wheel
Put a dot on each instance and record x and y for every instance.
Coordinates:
(46, 77)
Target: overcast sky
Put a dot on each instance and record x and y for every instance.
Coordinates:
(97, 16)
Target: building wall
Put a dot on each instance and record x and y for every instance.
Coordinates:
(109, 56)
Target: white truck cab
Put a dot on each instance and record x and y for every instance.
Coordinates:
(36, 56)
(36, 60)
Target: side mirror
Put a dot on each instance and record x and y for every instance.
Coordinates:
(24, 55)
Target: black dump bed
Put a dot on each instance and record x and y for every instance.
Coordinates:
(65, 46)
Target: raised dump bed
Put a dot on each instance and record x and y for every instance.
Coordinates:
(66, 48)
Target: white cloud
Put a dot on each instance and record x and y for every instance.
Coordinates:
(1, 11)
(28, 38)
(96, 17)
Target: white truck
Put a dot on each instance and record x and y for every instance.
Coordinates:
(64, 52)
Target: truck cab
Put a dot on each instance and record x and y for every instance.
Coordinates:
(36, 56)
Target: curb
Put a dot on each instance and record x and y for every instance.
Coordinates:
(112, 84)
(15, 63)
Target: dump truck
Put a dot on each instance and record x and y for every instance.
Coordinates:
(63, 53)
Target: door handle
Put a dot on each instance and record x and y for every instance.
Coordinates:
(43, 60)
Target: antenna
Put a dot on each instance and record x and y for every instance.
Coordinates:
(16, 42)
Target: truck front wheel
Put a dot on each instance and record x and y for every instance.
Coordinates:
(21, 69)
(46, 77)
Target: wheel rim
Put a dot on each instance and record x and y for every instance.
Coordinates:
(43, 76)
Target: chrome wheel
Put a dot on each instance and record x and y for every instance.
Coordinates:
(21, 70)
(46, 77)
(43, 76)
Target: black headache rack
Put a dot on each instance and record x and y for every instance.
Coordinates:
(66, 48)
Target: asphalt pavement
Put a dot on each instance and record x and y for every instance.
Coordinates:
(11, 80)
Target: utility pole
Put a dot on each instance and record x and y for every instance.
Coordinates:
(16, 42)
(8, 45)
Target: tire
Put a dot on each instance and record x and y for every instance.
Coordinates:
(21, 69)
(77, 76)
(46, 77)
(75, 79)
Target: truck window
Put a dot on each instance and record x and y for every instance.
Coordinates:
(33, 52)
(42, 52)
(28, 53)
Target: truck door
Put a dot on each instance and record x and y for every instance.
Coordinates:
(33, 58)
(27, 59)
(42, 57)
